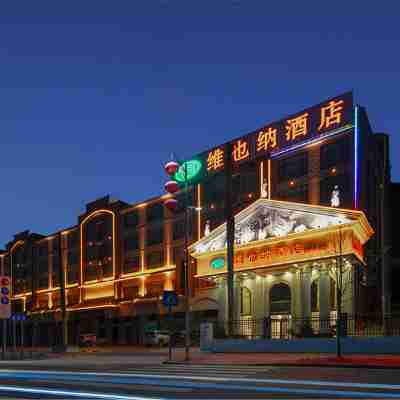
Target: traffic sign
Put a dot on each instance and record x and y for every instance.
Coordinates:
(5, 303)
(170, 298)
(19, 317)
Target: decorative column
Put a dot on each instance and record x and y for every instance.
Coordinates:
(305, 292)
(324, 300)
(314, 175)
(222, 299)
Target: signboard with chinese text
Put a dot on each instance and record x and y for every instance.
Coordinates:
(292, 132)
(291, 251)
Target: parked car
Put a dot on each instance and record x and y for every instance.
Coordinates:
(156, 338)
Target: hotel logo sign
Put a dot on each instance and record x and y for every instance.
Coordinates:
(295, 131)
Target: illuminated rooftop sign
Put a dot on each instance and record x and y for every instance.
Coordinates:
(310, 125)
(188, 170)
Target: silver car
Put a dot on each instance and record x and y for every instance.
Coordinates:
(156, 338)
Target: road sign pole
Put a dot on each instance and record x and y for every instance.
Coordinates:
(170, 334)
(4, 339)
(22, 338)
(14, 330)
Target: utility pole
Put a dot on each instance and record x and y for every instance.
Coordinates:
(187, 274)
(339, 288)
(230, 238)
(61, 277)
(382, 202)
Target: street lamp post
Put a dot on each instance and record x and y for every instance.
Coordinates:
(172, 187)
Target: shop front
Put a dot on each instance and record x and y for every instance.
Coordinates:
(290, 262)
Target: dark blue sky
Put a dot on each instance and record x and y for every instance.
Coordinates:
(96, 94)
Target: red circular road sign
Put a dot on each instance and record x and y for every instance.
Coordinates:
(5, 282)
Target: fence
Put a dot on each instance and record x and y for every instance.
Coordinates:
(286, 327)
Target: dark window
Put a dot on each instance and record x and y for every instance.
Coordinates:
(155, 212)
(336, 153)
(296, 193)
(245, 301)
(244, 187)
(154, 235)
(155, 289)
(73, 239)
(43, 250)
(155, 259)
(131, 219)
(55, 271)
(132, 263)
(92, 273)
(293, 167)
(72, 257)
(343, 182)
(131, 241)
(280, 299)
(179, 228)
(72, 273)
(214, 188)
(55, 245)
(131, 292)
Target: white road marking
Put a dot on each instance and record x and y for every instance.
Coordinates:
(85, 395)
(210, 378)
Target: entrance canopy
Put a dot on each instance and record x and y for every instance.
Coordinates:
(270, 233)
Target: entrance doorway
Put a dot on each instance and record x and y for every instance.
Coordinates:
(280, 311)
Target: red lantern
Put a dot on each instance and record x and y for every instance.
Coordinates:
(171, 187)
(171, 204)
(171, 167)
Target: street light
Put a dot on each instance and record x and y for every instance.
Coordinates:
(171, 168)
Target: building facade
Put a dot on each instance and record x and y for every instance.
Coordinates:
(105, 274)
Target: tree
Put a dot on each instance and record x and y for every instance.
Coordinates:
(343, 273)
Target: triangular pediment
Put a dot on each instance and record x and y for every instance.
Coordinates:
(271, 219)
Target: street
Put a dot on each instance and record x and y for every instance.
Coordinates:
(128, 377)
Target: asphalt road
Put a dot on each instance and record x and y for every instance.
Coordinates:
(137, 382)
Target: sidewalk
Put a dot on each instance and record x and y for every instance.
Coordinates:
(294, 359)
(156, 356)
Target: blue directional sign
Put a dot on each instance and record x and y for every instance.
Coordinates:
(19, 317)
(170, 298)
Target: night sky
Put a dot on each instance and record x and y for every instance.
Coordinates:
(95, 95)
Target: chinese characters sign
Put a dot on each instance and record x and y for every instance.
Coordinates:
(296, 130)
(290, 251)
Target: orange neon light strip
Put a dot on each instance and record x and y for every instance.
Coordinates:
(102, 211)
(199, 211)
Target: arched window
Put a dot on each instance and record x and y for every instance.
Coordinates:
(280, 299)
(245, 301)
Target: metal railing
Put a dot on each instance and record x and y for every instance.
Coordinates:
(287, 327)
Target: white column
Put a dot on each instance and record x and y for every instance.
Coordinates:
(305, 280)
(324, 300)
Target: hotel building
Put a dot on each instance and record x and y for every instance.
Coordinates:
(305, 192)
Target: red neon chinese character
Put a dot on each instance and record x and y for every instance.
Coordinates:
(215, 160)
(297, 127)
(266, 139)
(241, 150)
(331, 114)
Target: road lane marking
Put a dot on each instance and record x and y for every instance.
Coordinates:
(263, 389)
(26, 373)
(85, 395)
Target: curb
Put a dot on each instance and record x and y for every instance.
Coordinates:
(287, 365)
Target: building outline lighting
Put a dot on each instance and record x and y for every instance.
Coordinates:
(356, 132)
(84, 221)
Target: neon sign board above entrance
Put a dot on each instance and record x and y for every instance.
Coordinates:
(312, 124)
(218, 263)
